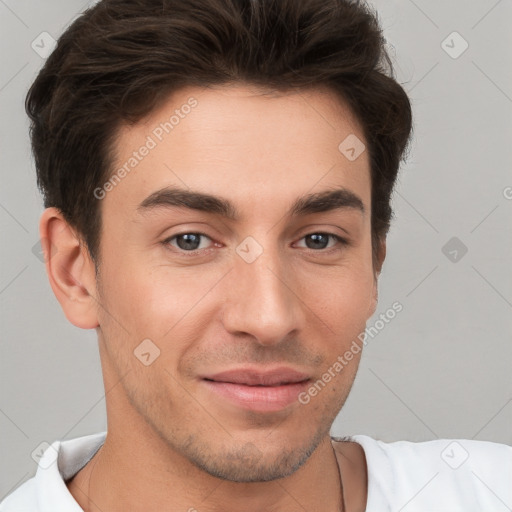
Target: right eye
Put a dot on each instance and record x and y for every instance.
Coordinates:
(187, 242)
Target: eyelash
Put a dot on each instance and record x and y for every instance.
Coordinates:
(340, 240)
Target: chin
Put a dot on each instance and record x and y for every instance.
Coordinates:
(248, 462)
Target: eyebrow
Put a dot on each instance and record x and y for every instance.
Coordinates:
(328, 200)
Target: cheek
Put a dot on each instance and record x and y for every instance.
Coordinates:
(344, 308)
(156, 301)
(347, 310)
(341, 297)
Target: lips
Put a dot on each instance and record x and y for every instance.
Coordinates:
(251, 377)
(267, 391)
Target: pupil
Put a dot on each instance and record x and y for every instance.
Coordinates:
(319, 240)
(189, 241)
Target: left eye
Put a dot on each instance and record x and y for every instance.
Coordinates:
(321, 240)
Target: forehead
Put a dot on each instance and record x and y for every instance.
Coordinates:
(241, 142)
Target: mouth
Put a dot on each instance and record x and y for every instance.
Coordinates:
(261, 391)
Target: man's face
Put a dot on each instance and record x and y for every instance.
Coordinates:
(263, 291)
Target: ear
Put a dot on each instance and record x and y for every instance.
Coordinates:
(70, 269)
(381, 255)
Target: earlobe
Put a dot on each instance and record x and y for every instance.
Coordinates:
(70, 269)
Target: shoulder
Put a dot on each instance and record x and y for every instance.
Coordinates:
(453, 454)
(47, 490)
(23, 499)
(457, 474)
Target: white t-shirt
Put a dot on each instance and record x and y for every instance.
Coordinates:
(445, 475)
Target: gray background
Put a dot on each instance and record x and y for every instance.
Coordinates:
(440, 369)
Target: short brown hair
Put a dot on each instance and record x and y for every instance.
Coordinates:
(121, 58)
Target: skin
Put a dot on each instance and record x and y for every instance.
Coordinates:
(172, 444)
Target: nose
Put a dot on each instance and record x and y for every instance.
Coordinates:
(261, 301)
